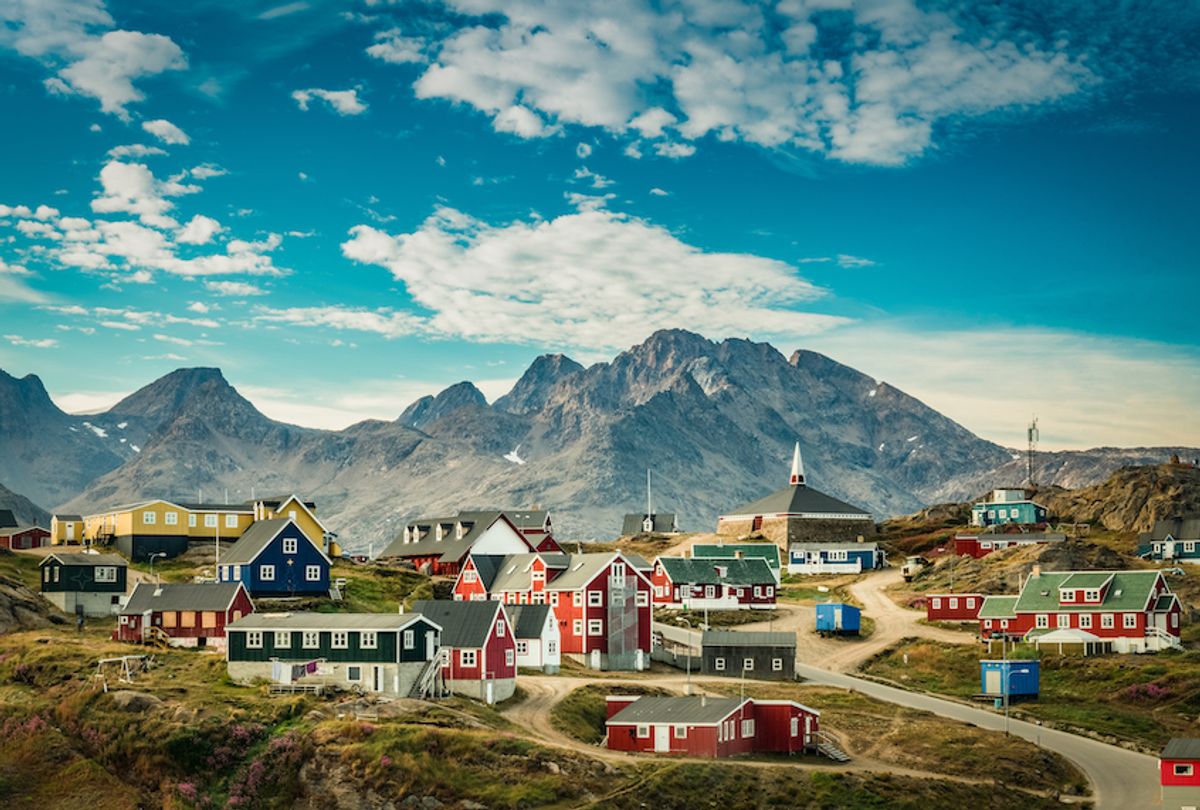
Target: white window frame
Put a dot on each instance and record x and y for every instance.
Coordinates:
(953, 603)
(282, 640)
(1043, 621)
(289, 545)
(747, 665)
(171, 518)
(149, 518)
(468, 658)
(522, 648)
(1107, 621)
(1189, 546)
(642, 599)
(106, 573)
(500, 631)
(1183, 769)
(577, 598)
(1128, 621)
(312, 573)
(595, 627)
(577, 627)
(837, 555)
(748, 728)
(210, 520)
(410, 640)
(1091, 595)
(554, 598)
(339, 639)
(368, 640)
(936, 603)
(508, 658)
(1085, 621)
(777, 665)
(679, 732)
(1063, 621)
(595, 598)
(719, 664)
(231, 521)
(469, 576)
(266, 573)
(643, 731)
(617, 571)
(354, 673)
(254, 639)
(191, 520)
(311, 639)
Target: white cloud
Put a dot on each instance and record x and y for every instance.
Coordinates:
(283, 10)
(199, 230)
(861, 82)
(595, 180)
(588, 202)
(131, 188)
(166, 132)
(841, 260)
(343, 102)
(392, 46)
(595, 280)
(234, 288)
(583, 150)
(207, 170)
(171, 356)
(32, 343)
(658, 192)
(135, 150)
(14, 288)
(199, 307)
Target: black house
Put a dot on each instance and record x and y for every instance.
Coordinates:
(763, 656)
(91, 584)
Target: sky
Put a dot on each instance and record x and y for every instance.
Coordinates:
(345, 206)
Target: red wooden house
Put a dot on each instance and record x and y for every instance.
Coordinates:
(709, 726)
(441, 545)
(1179, 774)
(24, 537)
(981, 545)
(182, 614)
(601, 601)
(953, 607)
(1131, 611)
(478, 645)
(733, 584)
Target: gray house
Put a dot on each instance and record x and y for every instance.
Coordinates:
(763, 656)
(387, 653)
(655, 523)
(91, 584)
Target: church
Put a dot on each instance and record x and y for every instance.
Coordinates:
(798, 514)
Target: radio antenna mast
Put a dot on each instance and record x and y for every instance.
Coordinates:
(1032, 435)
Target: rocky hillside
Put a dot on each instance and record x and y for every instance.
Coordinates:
(24, 510)
(1131, 499)
(714, 420)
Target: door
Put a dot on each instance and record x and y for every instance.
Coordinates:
(837, 618)
(992, 683)
(1160, 621)
(662, 738)
(429, 644)
(70, 532)
(378, 679)
(490, 693)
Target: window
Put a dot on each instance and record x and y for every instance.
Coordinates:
(1043, 620)
(1183, 769)
(469, 576)
(106, 573)
(680, 732)
(191, 520)
(577, 598)
(467, 658)
(208, 619)
(283, 639)
(292, 514)
(795, 729)
(937, 603)
(231, 521)
(748, 728)
(311, 639)
(46, 574)
(538, 576)
(757, 592)
(168, 618)
(710, 591)
(508, 657)
(210, 521)
(1004, 624)
(149, 518)
(954, 603)
(312, 573)
(1003, 513)
(187, 618)
(171, 518)
(1091, 595)
(595, 627)
(254, 639)
(970, 603)
(237, 571)
(522, 648)
(618, 570)
(747, 665)
(554, 598)
(1085, 621)
(266, 573)
(719, 664)
(595, 598)
(289, 545)
(770, 591)
(837, 555)
(1189, 546)
(354, 674)
(1064, 620)
(1106, 621)
(777, 665)
(987, 623)
(551, 647)
(1129, 621)
(643, 599)
(539, 598)
(340, 639)
(368, 640)
(577, 627)
(410, 639)
(1174, 620)
(643, 730)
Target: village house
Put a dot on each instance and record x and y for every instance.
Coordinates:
(66, 529)
(442, 544)
(382, 653)
(182, 614)
(796, 514)
(714, 727)
(24, 537)
(953, 607)
(601, 601)
(981, 545)
(835, 557)
(736, 584)
(1008, 505)
(479, 658)
(767, 552)
(1175, 539)
(87, 584)
(758, 655)
(539, 644)
(1179, 774)
(276, 558)
(1129, 611)
(636, 523)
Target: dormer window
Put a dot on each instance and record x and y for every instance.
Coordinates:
(438, 533)
(458, 531)
(1066, 595)
(1091, 595)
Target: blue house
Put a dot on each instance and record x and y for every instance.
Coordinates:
(1175, 539)
(838, 619)
(834, 558)
(1022, 677)
(276, 558)
(1007, 506)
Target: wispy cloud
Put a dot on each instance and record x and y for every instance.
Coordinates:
(31, 343)
(343, 102)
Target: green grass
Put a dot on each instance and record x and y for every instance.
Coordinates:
(581, 714)
(1139, 699)
(22, 568)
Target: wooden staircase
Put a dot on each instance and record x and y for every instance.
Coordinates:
(426, 685)
(828, 747)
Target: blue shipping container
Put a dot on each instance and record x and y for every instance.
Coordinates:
(836, 617)
(1022, 675)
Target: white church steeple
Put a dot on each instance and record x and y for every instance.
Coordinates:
(797, 468)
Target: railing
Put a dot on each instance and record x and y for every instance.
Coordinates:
(1163, 636)
(426, 682)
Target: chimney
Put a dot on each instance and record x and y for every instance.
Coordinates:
(1036, 570)
(739, 554)
(703, 699)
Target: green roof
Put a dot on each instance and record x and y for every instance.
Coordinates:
(704, 572)
(1130, 590)
(767, 552)
(998, 607)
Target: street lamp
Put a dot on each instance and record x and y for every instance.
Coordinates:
(1008, 688)
(152, 556)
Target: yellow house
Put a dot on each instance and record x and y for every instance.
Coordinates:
(66, 529)
(303, 513)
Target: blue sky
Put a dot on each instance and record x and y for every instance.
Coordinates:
(345, 206)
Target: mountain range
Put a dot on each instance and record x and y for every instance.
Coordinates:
(714, 421)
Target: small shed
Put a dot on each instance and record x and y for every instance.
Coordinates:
(838, 619)
(1022, 675)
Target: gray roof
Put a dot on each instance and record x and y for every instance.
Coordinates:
(487, 566)
(693, 709)
(87, 559)
(72, 518)
(450, 548)
(464, 624)
(326, 621)
(754, 571)
(798, 499)
(528, 518)
(734, 638)
(662, 523)
(582, 569)
(7, 520)
(1182, 748)
(181, 596)
(257, 537)
(1180, 528)
(638, 561)
(528, 621)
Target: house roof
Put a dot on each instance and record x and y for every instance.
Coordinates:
(1130, 590)
(7, 532)
(515, 572)
(845, 545)
(679, 710)
(638, 561)
(1182, 748)
(464, 624)
(1164, 602)
(87, 559)
(68, 517)
(1017, 537)
(1179, 528)
(534, 519)
(528, 621)
(661, 522)
(998, 607)
(182, 596)
(768, 552)
(704, 572)
(583, 568)
(450, 548)
(327, 621)
(735, 638)
(798, 499)
(487, 566)
(257, 537)
(7, 520)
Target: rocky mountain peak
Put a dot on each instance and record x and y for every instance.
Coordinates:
(427, 410)
(533, 389)
(22, 395)
(185, 390)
